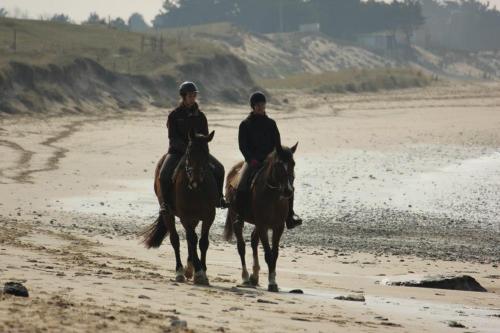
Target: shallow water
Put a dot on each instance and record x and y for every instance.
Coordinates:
(466, 187)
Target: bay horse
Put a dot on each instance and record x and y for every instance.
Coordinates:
(268, 209)
(195, 196)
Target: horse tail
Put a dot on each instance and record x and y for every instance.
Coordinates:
(154, 235)
(228, 228)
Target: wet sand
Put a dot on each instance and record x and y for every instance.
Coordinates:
(389, 184)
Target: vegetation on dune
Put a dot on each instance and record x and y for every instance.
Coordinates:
(351, 80)
(44, 42)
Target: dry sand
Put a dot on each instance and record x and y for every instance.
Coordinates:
(390, 184)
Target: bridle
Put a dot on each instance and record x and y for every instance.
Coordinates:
(192, 184)
(281, 188)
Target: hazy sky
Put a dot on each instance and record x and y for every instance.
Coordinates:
(79, 10)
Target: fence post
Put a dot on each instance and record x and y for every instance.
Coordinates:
(14, 42)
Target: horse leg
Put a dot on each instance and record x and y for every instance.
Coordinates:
(174, 240)
(268, 254)
(238, 231)
(189, 271)
(204, 243)
(277, 232)
(192, 240)
(254, 278)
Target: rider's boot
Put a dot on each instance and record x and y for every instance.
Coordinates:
(292, 220)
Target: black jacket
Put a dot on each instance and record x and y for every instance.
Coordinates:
(180, 122)
(258, 137)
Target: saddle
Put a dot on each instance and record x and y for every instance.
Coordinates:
(235, 181)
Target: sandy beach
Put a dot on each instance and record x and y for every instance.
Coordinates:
(391, 185)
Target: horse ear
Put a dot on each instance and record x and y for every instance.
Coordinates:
(191, 134)
(294, 148)
(210, 137)
(279, 149)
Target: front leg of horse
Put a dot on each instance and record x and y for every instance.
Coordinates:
(268, 254)
(238, 232)
(254, 278)
(205, 242)
(200, 276)
(174, 240)
(277, 232)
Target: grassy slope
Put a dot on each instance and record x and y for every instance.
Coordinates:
(41, 43)
(351, 80)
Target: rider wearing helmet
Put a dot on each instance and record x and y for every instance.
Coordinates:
(180, 121)
(258, 136)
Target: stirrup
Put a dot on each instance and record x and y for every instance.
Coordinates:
(222, 203)
(293, 221)
(165, 209)
(238, 220)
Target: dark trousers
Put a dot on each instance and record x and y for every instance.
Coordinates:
(169, 166)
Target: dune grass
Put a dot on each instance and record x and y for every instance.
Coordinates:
(42, 42)
(351, 80)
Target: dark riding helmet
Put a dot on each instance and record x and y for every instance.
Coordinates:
(187, 87)
(256, 98)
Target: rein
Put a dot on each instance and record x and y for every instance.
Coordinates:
(280, 188)
(190, 173)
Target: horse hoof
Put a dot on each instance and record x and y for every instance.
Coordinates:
(180, 278)
(201, 279)
(273, 288)
(188, 273)
(254, 280)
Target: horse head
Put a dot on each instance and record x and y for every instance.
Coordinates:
(197, 156)
(282, 170)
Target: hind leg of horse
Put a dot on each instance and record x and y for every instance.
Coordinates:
(192, 240)
(174, 240)
(238, 232)
(277, 232)
(268, 254)
(254, 278)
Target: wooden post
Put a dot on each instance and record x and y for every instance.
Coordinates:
(14, 42)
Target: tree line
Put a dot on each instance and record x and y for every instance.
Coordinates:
(459, 24)
(135, 22)
(338, 18)
(465, 25)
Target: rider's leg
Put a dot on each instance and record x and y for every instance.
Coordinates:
(166, 173)
(292, 220)
(218, 170)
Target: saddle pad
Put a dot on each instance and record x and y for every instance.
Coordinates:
(236, 179)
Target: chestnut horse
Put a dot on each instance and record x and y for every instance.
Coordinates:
(269, 204)
(195, 195)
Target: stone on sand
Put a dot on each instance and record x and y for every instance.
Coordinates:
(16, 289)
(353, 298)
(450, 282)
